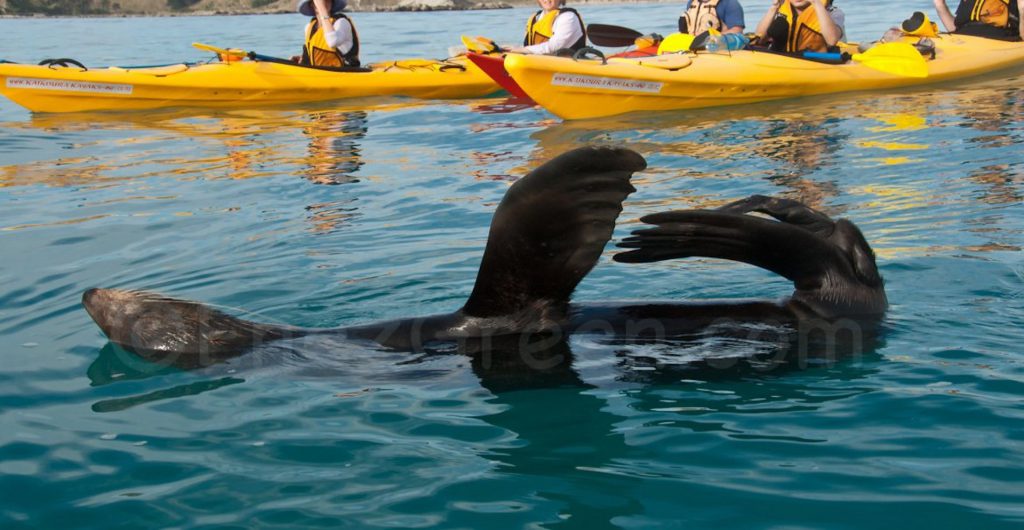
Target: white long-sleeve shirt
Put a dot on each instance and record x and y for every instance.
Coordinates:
(565, 32)
(341, 36)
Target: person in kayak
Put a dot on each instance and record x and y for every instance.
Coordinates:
(554, 27)
(984, 18)
(726, 16)
(801, 25)
(331, 38)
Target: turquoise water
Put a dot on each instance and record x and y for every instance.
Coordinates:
(346, 213)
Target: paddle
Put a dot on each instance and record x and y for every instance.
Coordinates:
(233, 52)
(613, 36)
(480, 45)
(897, 58)
(240, 54)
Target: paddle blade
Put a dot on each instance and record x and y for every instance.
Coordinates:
(224, 54)
(471, 44)
(235, 52)
(608, 35)
(897, 58)
(489, 45)
(479, 44)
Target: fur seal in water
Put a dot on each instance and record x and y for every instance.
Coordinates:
(547, 233)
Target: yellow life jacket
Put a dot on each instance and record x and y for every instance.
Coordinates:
(803, 32)
(996, 13)
(701, 16)
(317, 52)
(541, 26)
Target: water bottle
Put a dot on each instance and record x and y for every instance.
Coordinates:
(735, 41)
(715, 42)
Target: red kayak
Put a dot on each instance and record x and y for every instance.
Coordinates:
(494, 66)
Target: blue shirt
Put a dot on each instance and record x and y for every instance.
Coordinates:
(730, 12)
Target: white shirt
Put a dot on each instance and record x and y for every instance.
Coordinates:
(564, 33)
(341, 38)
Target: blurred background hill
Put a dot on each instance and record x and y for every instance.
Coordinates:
(197, 7)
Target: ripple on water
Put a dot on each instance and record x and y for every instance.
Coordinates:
(353, 212)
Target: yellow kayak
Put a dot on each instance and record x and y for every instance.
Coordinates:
(577, 89)
(233, 84)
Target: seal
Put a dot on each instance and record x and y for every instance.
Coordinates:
(545, 236)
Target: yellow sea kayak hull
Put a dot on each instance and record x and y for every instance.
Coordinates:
(232, 84)
(588, 89)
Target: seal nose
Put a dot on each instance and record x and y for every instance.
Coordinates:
(96, 302)
(93, 299)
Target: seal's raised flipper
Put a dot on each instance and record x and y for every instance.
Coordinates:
(841, 233)
(785, 210)
(176, 332)
(834, 274)
(548, 232)
(778, 247)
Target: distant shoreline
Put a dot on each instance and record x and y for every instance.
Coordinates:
(421, 6)
(397, 7)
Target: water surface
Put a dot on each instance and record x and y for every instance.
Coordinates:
(352, 212)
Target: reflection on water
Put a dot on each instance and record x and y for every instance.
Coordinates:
(803, 147)
(1001, 183)
(334, 158)
(227, 207)
(334, 146)
(187, 143)
(809, 147)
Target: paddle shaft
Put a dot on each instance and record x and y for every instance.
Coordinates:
(269, 59)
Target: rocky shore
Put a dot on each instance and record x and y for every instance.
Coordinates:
(21, 8)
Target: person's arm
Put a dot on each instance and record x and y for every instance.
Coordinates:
(829, 29)
(323, 16)
(731, 15)
(769, 16)
(1020, 13)
(341, 38)
(947, 18)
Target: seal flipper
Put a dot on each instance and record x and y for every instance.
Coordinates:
(841, 233)
(548, 232)
(832, 267)
(786, 210)
(789, 251)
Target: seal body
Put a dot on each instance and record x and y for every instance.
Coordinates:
(546, 235)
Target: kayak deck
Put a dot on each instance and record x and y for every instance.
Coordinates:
(232, 84)
(589, 89)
